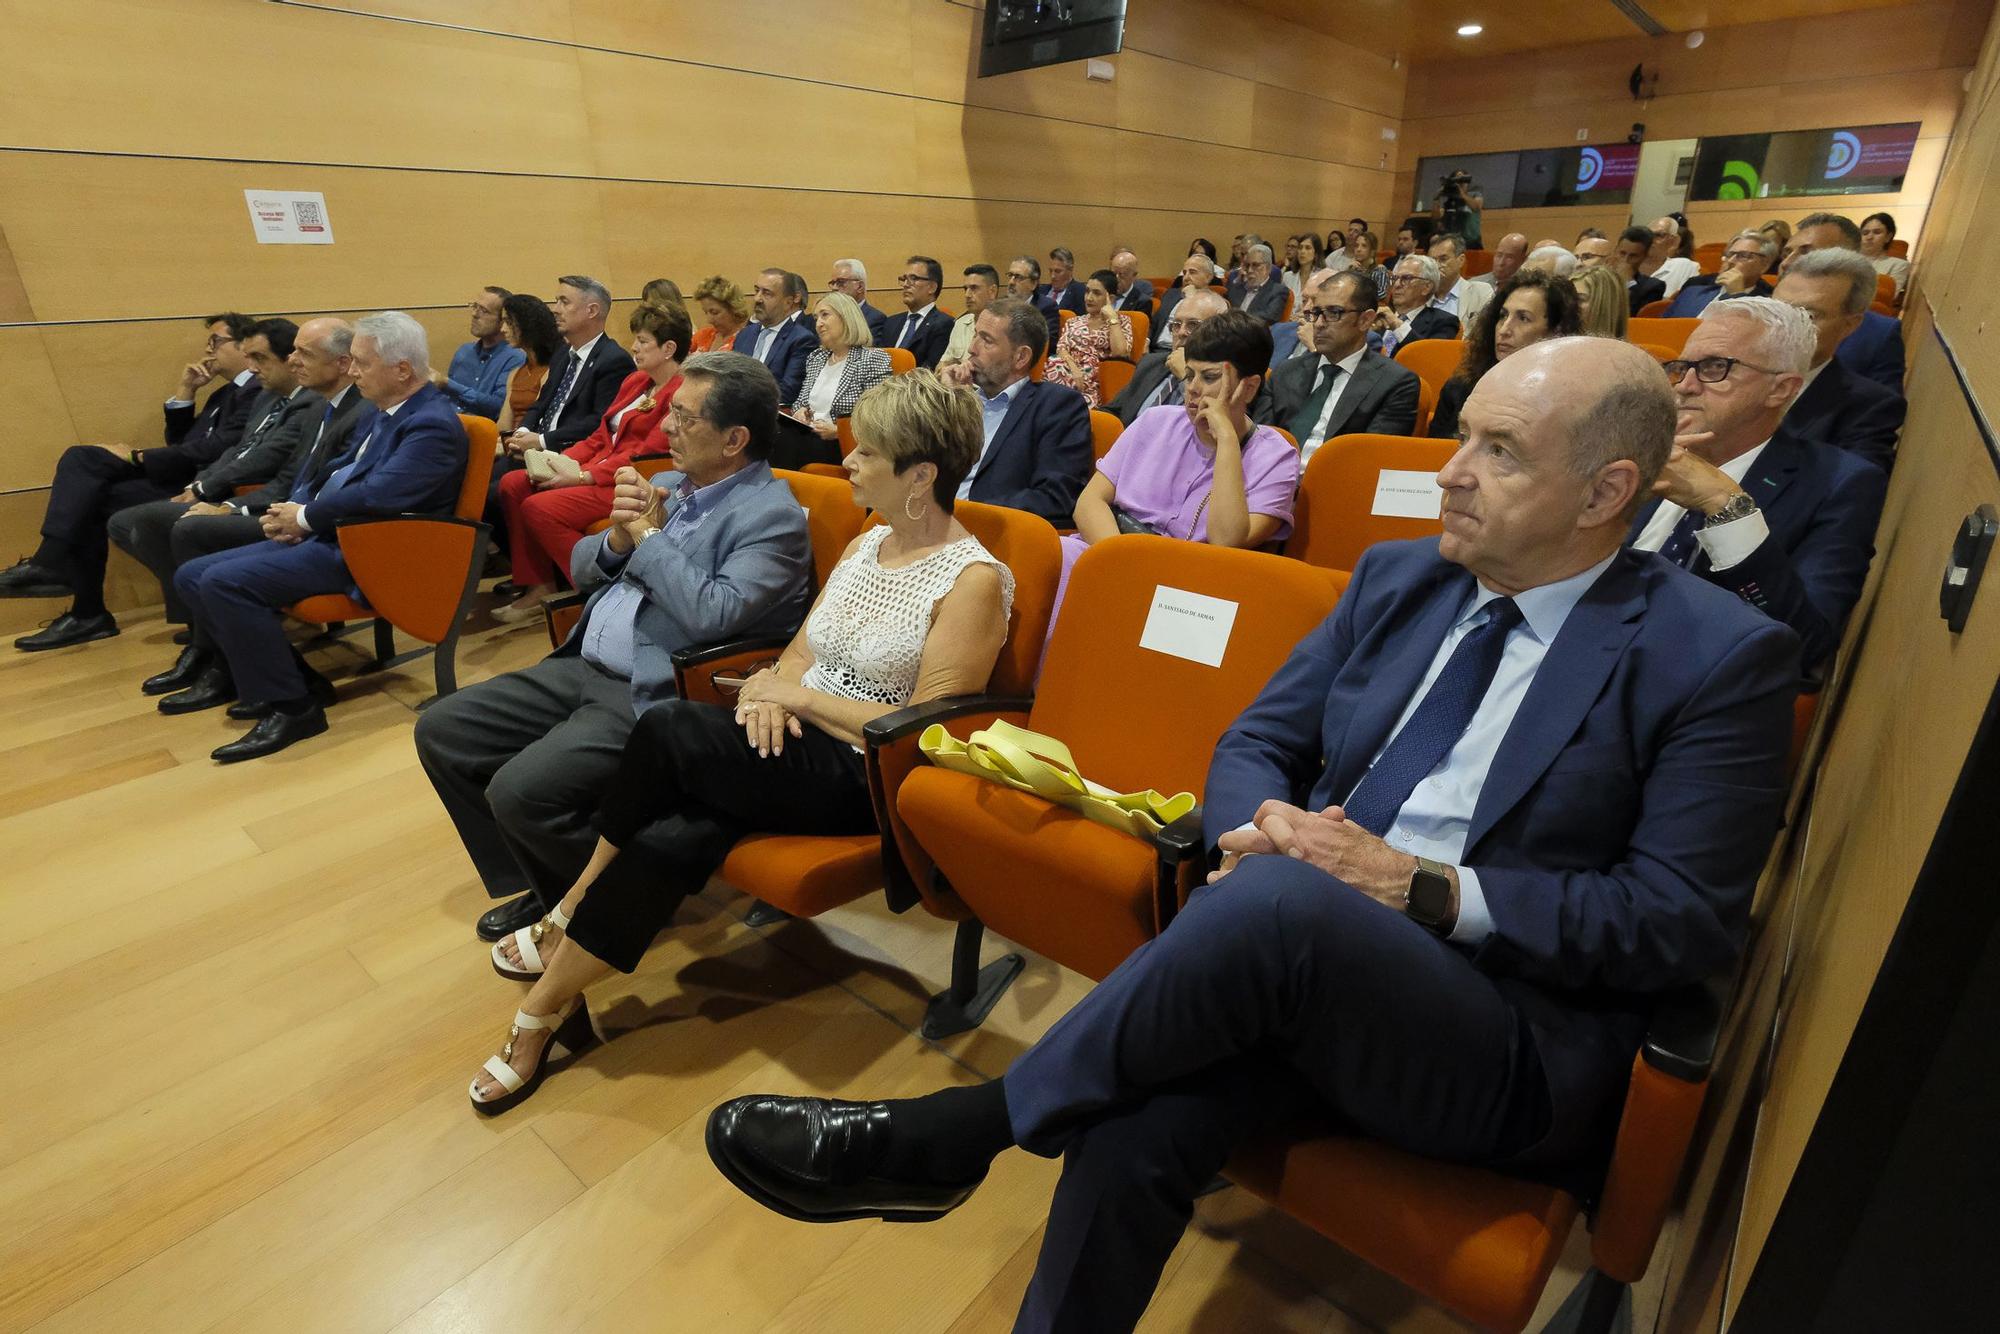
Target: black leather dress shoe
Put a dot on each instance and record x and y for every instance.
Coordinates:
(66, 629)
(273, 732)
(818, 1161)
(317, 686)
(190, 664)
(25, 579)
(503, 921)
(184, 637)
(211, 690)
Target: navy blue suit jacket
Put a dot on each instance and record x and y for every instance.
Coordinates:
(1822, 506)
(413, 464)
(1875, 350)
(925, 343)
(1139, 296)
(1696, 294)
(1851, 411)
(1622, 827)
(787, 358)
(1070, 298)
(877, 322)
(1041, 456)
(596, 385)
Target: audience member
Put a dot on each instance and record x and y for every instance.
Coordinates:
(1628, 253)
(850, 279)
(527, 325)
(716, 550)
(662, 292)
(1062, 286)
(1161, 377)
(410, 460)
(1744, 264)
(1363, 258)
(1340, 387)
(1036, 452)
(1134, 292)
(843, 366)
(1406, 243)
(1837, 405)
(1237, 250)
(726, 308)
(1197, 274)
(1376, 951)
(1601, 302)
(1529, 308)
(1667, 258)
(579, 386)
(1587, 234)
(915, 610)
(1312, 258)
(1199, 470)
(1779, 231)
(1458, 296)
(922, 328)
(1201, 245)
(779, 336)
(1102, 331)
(1258, 289)
(1785, 523)
(548, 515)
(1024, 283)
(1507, 256)
(476, 382)
(1548, 257)
(95, 483)
(1876, 348)
(982, 284)
(1877, 231)
(1410, 316)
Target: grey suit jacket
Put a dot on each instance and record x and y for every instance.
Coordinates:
(1382, 400)
(1152, 368)
(260, 453)
(1269, 303)
(744, 571)
(314, 450)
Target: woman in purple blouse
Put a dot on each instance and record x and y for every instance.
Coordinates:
(1202, 472)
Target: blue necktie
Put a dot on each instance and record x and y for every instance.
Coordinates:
(345, 471)
(1680, 546)
(562, 390)
(1437, 724)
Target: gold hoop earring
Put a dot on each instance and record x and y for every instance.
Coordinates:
(909, 508)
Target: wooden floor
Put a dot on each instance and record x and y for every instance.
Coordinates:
(241, 1006)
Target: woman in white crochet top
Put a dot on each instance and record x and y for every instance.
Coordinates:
(915, 610)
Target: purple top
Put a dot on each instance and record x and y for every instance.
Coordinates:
(1162, 473)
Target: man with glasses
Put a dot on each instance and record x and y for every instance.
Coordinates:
(922, 329)
(1785, 523)
(850, 278)
(1161, 377)
(1745, 261)
(1197, 272)
(715, 550)
(1024, 282)
(1344, 389)
(93, 482)
(476, 382)
(1410, 316)
(1257, 291)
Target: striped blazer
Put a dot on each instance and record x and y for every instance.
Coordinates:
(864, 366)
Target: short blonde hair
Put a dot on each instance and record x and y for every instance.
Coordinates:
(1609, 303)
(725, 294)
(918, 418)
(848, 311)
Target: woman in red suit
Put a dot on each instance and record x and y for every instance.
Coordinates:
(549, 517)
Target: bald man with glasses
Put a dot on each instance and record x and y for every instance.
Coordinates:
(1343, 388)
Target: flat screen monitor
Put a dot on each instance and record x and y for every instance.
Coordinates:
(1851, 160)
(1022, 34)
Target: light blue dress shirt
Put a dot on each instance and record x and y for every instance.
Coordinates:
(477, 379)
(608, 641)
(1437, 817)
(993, 411)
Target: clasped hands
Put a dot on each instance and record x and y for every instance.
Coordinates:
(281, 523)
(636, 505)
(764, 710)
(1326, 839)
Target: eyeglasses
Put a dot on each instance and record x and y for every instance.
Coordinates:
(1314, 314)
(1020, 277)
(849, 281)
(909, 278)
(1407, 278)
(216, 341)
(1183, 326)
(681, 418)
(1743, 256)
(1709, 370)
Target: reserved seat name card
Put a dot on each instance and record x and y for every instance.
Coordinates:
(1405, 494)
(1188, 625)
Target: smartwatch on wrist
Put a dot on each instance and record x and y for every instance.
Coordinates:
(1427, 902)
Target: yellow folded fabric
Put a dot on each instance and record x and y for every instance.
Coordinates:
(1030, 762)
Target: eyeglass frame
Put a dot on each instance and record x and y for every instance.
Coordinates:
(216, 342)
(1729, 364)
(1314, 314)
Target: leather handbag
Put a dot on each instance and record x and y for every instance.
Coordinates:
(1031, 762)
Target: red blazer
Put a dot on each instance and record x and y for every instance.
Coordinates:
(602, 453)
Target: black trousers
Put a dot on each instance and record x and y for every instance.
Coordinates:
(688, 786)
(145, 533)
(92, 484)
(201, 535)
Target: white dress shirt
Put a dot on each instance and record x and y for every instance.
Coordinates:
(910, 325)
(1727, 544)
(993, 413)
(1317, 436)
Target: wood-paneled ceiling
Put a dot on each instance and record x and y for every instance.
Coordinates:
(1421, 30)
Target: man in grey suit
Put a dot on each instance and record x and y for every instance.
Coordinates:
(719, 551)
(1345, 389)
(1258, 289)
(1161, 377)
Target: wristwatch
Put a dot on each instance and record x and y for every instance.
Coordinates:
(1427, 902)
(1739, 506)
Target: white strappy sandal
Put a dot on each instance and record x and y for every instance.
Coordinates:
(575, 1033)
(528, 940)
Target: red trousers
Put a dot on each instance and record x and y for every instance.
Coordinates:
(543, 526)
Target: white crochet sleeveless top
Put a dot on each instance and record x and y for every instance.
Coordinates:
(867, 634)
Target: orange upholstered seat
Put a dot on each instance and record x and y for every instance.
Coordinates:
(1433, 359)
(1334, 521)
(1666, 333)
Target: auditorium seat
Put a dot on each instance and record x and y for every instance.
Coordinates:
(1433, 359)
(1427, 405)
(1653, 310)
(1335, 519)
(1666, 333)
(901, 360)
(1708, 256)
(1105, 428)
(1113, 374)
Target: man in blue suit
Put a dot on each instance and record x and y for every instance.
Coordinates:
(1744, 264)
(1876, 348)
(922, 329)
(780, 336)
(1784, 522)
(1462, 839)
(850, 277)
(1833, 288)
(1062, 286)
(409, 459)
(1024, 280)
(1037, 455)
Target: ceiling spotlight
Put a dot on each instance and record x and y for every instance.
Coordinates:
(1470, 29)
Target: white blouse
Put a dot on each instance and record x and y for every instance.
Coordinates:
(825, 388)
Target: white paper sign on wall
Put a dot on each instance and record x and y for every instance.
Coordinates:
(1188, 625)
(289, 217)
(1407, 494)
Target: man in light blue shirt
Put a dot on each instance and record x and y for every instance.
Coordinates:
(476, 381)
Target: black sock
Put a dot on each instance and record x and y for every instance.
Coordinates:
(949, 1136)
(293, 708)
(83, 605)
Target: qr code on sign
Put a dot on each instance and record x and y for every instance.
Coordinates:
(307, 213)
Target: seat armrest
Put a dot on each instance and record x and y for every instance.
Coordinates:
(1181, 854)
(560, 615)
(695, 669)
(911, 721)
(1685, 1027)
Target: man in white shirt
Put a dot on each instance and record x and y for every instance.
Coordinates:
(982, 284)
(1341, 387)
(1461, 297)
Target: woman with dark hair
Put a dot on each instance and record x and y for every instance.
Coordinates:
(1311, 260)
(1529, 307)
(525, 321)
(916, 610)
(1877, 230)
(1101, 331)
(1201, 245)
(663, 292)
